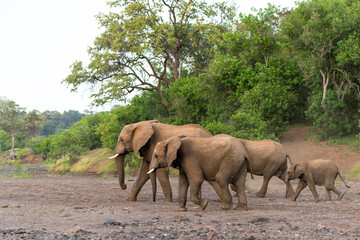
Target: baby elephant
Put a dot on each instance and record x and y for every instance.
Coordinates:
(315, 172)
(220, 160)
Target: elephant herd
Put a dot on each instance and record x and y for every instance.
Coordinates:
(221, 160)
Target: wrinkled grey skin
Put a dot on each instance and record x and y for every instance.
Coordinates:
(142, 137)
(268, 158)
(220, 160)
(319, 172)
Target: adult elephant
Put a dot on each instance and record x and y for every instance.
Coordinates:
(142, 137)
(268, 158)
(220, 160)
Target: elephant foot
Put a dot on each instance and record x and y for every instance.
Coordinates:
(226, 206)
(289, 195)
(317, 200)
(181, 209)
(241, 207)
(203, 204)
(293, 199)
(327, 199)
(342, 195)
(131, 198)
(169, 199)
(260, 195)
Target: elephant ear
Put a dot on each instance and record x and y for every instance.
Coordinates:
(142, 132)
(173, 146)
(299, 169)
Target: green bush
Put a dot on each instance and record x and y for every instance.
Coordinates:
(334, 117)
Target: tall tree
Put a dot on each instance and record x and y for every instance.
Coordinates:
(11, 116)
(33, 123)
(324, 35)
(146, 45)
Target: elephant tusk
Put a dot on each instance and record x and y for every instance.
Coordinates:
(151, 170)
(114, 156)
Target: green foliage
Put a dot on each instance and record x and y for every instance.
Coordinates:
(21, 153)
(132, 163)
(323, 38)
(189, 101)
(272, 103)
(90, 160)
(355, 173)
(143, 49)
(334, 117)
(146, 106)
(73, 142)
(22, 175)
(249, 126)
(107, 168)
(56, 121)
(5, 141)
(61, 165)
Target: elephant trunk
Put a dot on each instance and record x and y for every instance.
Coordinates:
(120, 162)
(153, 184)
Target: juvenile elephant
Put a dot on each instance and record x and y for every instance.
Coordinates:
(268, 158)
(142, 137)
(319, 172)
(220, 160)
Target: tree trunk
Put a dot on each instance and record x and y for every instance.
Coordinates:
(326, 79)
(13, 154)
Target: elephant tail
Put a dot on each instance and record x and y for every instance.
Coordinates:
(343, 179)
(288, 157)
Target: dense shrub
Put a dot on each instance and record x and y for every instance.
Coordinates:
(333, 117)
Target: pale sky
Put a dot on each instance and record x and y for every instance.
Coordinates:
(40, 39)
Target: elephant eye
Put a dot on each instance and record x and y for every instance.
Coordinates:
(156, 156)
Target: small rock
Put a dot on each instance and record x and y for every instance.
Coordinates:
(81, 232)
(320, 226)
(213, 235)
(249, 238)
(198, 221)
(203, 230)
(181, 219)
(260, 220)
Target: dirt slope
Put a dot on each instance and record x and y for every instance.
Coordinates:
(300, 150)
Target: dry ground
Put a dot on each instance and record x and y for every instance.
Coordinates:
(89, 207)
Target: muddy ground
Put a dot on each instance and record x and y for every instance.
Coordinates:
(90, 207)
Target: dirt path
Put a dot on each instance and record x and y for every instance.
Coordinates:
(95, 208)
(300, 150)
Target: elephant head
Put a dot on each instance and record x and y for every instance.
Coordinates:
(165, 153)
(131, 139)
(295, 171)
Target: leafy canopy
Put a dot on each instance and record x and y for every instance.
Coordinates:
(146, 45)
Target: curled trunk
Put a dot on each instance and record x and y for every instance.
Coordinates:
(120, 165)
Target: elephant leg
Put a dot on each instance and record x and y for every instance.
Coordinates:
(216, 187)
(240, 190)
(141, 179)
(162, 175)
(225, 196)
(302, 184)
(328, 194)
(183, 189)
(313, 191)
(264, 186)
(335, 190)
(289, 189)
(195, 186)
